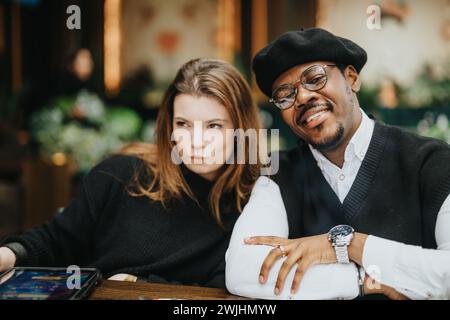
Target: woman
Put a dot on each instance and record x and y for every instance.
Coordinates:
(148, 215)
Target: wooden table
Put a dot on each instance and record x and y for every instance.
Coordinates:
(122, 290)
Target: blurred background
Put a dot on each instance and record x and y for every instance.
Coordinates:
(79, 78)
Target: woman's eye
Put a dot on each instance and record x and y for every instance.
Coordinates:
(215, 126)
(181, 124)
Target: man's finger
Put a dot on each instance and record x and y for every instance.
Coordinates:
(265, 240)
(268, 263)
(302, 267)
(293, 257)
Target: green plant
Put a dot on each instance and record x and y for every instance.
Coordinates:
(82, 128)
(435, 128)
(430, 88)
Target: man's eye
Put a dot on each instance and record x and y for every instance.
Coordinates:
(215, 126)
(316, 80)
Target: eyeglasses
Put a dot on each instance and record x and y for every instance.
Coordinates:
(313, 78)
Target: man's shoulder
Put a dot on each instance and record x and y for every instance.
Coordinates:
(429, 157)
(289, 162)
(410, 141)
(291, 156)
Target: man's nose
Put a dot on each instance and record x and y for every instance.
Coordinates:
(304, 96)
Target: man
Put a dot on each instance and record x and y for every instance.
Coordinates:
(356, 192)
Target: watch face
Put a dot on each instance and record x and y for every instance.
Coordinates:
(341, 231)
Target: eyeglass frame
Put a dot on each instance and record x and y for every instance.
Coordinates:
(295, 87)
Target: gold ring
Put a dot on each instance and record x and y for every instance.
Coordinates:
(283, 253)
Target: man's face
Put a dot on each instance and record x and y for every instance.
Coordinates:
(328, 117)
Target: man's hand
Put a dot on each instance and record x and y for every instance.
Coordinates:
(303, 252)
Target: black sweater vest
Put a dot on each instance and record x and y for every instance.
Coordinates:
(398, 191)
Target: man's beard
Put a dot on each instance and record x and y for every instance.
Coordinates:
(330, 143)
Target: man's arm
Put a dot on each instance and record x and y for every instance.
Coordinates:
(416, 272)
(265, 214)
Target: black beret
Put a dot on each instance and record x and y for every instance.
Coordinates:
(297, 47)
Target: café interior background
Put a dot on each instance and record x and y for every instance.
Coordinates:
(80, 78)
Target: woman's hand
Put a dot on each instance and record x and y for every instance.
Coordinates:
(123, 277)
(303, 252)
(7, 259)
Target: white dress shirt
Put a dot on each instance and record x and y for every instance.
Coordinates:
(411, 270)
(341, 180)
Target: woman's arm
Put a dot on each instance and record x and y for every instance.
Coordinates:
(67, 238)
(62, 240)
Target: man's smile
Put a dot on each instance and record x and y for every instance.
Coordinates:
(314, 115)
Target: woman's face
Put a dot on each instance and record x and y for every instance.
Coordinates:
(200, 131)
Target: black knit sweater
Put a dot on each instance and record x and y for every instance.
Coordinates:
(106, 228)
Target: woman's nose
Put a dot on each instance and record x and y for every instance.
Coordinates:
(197, 139)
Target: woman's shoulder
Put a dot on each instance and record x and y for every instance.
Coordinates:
(121, 168)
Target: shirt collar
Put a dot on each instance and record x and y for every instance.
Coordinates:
(358, 144)
(361, 139)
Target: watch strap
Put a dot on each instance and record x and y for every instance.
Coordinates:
(341, 253)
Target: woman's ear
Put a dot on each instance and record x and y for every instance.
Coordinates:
(353, 79)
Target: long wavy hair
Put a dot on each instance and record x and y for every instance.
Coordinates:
(201, 78)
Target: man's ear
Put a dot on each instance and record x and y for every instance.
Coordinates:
(352, 77)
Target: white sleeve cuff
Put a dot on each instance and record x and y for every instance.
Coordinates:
(416, 272)
(378, 259)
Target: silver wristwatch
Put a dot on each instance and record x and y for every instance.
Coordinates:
(340, 237)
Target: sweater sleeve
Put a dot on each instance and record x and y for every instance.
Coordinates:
(67, 238)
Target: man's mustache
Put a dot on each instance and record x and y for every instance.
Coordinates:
(311, 105)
